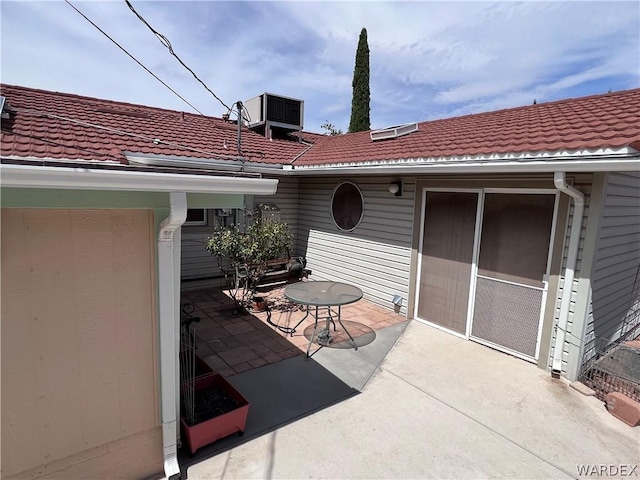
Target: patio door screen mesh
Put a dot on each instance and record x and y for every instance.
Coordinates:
(514, 248)
(447, 254)
(507, 315)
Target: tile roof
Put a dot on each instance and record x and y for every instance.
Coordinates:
(589, 123)
(65, 126)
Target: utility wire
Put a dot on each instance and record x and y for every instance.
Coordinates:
(133, 58)
(165, 41)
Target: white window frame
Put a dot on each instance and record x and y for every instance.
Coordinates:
(196, 223)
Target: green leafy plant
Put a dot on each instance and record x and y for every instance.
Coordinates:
(331, 129)
(243, 255)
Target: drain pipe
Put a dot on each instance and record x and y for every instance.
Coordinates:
(560, 182)
(168, 317)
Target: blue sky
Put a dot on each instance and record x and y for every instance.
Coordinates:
(428, 59)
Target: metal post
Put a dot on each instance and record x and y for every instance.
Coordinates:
(239, 105)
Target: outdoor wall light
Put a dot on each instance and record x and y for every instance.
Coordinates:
(396, 188)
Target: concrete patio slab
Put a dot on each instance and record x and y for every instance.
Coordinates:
(296, 387)
(355, 367)
(441, 407)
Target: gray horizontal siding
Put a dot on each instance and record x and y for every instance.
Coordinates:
(376, 256)
(196, 262)
(617, 260)
(286, 198)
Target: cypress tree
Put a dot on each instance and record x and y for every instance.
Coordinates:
(360, 120)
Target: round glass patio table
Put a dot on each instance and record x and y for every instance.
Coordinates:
(323, 294)
(319, 295)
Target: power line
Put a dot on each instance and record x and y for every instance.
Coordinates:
(165, 41)
(133, 58)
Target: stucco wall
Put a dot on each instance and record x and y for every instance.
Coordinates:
(79, 360)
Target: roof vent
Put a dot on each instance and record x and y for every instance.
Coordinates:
(393, 132)
(4, 108)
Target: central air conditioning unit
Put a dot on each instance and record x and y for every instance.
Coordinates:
(274, 115)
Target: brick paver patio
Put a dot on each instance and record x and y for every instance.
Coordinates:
(233, 342)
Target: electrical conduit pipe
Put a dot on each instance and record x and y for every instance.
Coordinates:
(168, 317)
(560, 183)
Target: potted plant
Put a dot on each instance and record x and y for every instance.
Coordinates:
(211, 409)
(259, 303)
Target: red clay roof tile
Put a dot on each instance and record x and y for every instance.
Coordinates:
(59, 125)
(603, 121)
(84, 128)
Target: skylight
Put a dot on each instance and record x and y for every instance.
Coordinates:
(393, 132)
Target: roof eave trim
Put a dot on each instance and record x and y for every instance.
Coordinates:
(603, 159)
(598, 165)
(29, 176)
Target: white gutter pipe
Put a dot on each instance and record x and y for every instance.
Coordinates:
(168, 281)
(32, 176)
(560, 182)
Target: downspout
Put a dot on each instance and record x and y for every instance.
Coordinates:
(168, 281)
(560, 182)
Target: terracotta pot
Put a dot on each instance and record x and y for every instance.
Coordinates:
(259, 304)
(209, 431)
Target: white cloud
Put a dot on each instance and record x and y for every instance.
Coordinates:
(428, 59)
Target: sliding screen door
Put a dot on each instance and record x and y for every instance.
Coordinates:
(446, 258)
(512, 264)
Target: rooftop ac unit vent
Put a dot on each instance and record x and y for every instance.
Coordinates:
(268, 111)
(393, 132)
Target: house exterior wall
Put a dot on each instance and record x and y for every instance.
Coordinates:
(287, 200)
(381, 253)
(579, 300)
(197, 263)
(79, 344)
(376, 255)
(614, 276)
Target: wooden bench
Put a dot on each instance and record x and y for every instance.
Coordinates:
(277, 272)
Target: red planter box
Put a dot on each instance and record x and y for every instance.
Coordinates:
(202, 368)
(209, 431)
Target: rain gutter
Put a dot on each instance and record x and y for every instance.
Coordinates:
(31, 176)
(169, 314)
(560, 182)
